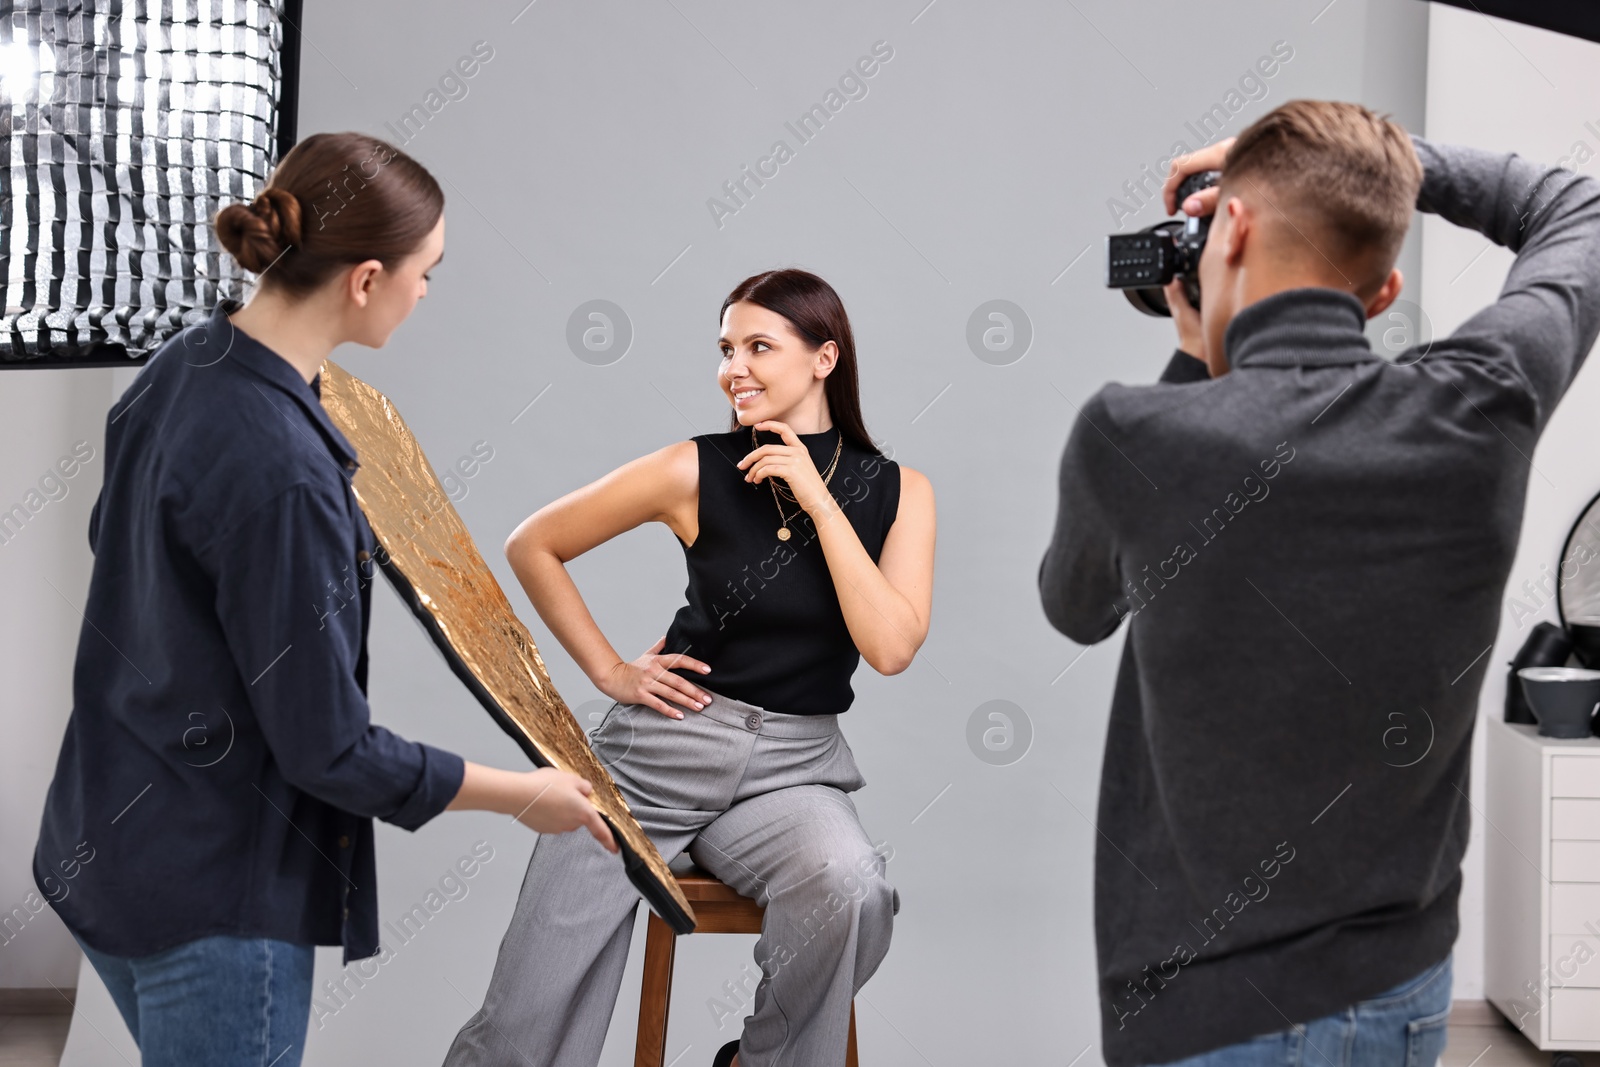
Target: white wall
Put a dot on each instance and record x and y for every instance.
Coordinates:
(1510, 88)
(44, 578)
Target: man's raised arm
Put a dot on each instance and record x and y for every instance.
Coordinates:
(1548, 313)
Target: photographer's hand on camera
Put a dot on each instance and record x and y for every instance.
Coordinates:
(1191, 338)
(1141, 263)
(1208, 158)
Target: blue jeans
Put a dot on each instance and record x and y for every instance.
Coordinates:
(1400, 1027)
(214, 1002)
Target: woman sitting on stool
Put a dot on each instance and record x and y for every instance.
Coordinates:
(807, 550)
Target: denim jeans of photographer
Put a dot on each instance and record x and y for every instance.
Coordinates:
(1400, 1027)
(214, 1002)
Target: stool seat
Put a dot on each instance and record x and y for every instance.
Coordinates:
(718, 909)
(700, 885)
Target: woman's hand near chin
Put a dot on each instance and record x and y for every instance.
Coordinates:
(791, 462)
(649, 679)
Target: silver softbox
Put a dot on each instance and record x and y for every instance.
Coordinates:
(126, 126)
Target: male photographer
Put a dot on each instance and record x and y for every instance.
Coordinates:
(1310, 543)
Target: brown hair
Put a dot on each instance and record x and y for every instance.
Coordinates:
(334, 200)
(1343, 176)
(815, 312)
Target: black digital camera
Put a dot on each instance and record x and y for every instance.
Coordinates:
(1141, 263)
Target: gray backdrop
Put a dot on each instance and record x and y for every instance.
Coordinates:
(978, 163)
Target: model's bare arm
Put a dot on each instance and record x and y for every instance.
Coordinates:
(887, 605)
(652, 488)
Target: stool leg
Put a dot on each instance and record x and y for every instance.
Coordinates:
(655, 994)
(850, 1050)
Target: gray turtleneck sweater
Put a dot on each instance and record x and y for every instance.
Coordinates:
(1310, 552)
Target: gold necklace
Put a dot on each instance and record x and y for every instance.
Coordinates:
(783, 531)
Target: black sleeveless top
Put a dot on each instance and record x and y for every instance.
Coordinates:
(763, 612)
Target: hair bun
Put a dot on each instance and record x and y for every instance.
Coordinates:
(258, 233)
(278, 236)
(279, 209)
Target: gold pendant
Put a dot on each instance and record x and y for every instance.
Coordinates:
(783, 533)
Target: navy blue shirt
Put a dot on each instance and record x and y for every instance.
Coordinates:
(220, 773)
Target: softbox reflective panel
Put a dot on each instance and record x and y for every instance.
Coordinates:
(126, 126)
(429, 557)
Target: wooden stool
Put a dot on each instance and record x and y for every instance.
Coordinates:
(718, 909)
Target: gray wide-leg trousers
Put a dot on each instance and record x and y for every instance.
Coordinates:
(759, 799)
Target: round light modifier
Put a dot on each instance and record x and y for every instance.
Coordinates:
(1558, 674)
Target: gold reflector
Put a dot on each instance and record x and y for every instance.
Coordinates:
(429, 557)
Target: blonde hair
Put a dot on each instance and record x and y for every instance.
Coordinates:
(1344, 177)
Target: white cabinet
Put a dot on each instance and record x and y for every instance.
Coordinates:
(1542, 859)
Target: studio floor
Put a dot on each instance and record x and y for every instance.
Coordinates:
(32, 1040)
(1475, 1041)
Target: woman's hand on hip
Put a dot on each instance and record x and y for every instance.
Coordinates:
(649, 679)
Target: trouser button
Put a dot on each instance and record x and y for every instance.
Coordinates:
(753, 721)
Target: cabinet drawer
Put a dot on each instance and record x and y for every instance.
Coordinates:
(1575, 1015)
(1575, 819)
(1575, 961)
(1574, 776)
(1575, 909)
(1575, 861)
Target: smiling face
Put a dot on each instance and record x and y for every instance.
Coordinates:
(769, 372)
